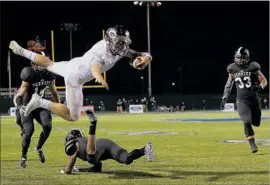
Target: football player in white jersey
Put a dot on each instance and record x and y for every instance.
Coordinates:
(100, 58)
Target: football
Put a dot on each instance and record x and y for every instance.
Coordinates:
(136, 62)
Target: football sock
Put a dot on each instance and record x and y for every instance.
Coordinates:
(92, 128)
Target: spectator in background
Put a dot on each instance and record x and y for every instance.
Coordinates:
(91, 104)
(119, 106)
(183, 106)
(145, 104)
(177, 109)
(153, 104)
(171, 109)
(86, 101)
(194, 105)
(102, 106)
(137, 101)
(265, 103)
(204, 104)
(124, 105)
(130, 102)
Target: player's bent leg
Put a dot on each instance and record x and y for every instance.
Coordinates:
(59, 68)
(74, 98)
(147, 150)
(246, 116)
(38, 59)
(57, 108)
(121, 155)
(91, 144)
(45, 119)
(91, 140)
(28, 127)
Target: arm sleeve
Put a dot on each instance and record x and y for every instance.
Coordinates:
(228, 87)
(132, 54)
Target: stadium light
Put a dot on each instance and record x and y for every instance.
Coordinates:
(148, 5)
(70, 27)
(142, 78)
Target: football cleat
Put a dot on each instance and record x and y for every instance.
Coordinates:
(149, 151)
(23, 163)
(15, 47)
(41, 155)
(254, 148)
(33, 104)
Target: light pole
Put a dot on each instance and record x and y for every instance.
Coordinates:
(70, 27)
(148, 5)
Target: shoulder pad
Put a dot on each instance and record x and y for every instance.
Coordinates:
(254, 66)
(230, 68)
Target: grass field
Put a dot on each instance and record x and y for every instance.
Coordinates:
(192, 155)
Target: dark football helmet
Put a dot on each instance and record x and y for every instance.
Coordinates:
(38, 46)
(242, 56)
(70, 141)
(118, 40)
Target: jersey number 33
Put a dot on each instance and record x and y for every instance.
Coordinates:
(244, 83)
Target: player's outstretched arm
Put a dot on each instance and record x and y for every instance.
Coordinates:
(71, 161)
(18, 98)
(227, 91)
(145, 58)
(228, 87)
(95, 70)
(54, 92)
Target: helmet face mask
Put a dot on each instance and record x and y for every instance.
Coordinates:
(241, 57)
(70, 141)
(118, 40)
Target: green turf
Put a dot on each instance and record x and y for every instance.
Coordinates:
(193, 156)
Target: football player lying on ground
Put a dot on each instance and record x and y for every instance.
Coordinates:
(35, 79)
(94, 151)
(249, 81)
(76, 72)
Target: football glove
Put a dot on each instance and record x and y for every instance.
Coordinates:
(257, 88)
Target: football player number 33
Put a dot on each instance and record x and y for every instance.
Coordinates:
(246, 82)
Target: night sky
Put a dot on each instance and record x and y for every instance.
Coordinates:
(191, 42)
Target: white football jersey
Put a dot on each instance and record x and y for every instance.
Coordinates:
(98, 54)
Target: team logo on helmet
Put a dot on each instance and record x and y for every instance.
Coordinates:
(118, 40)
(242, 56)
